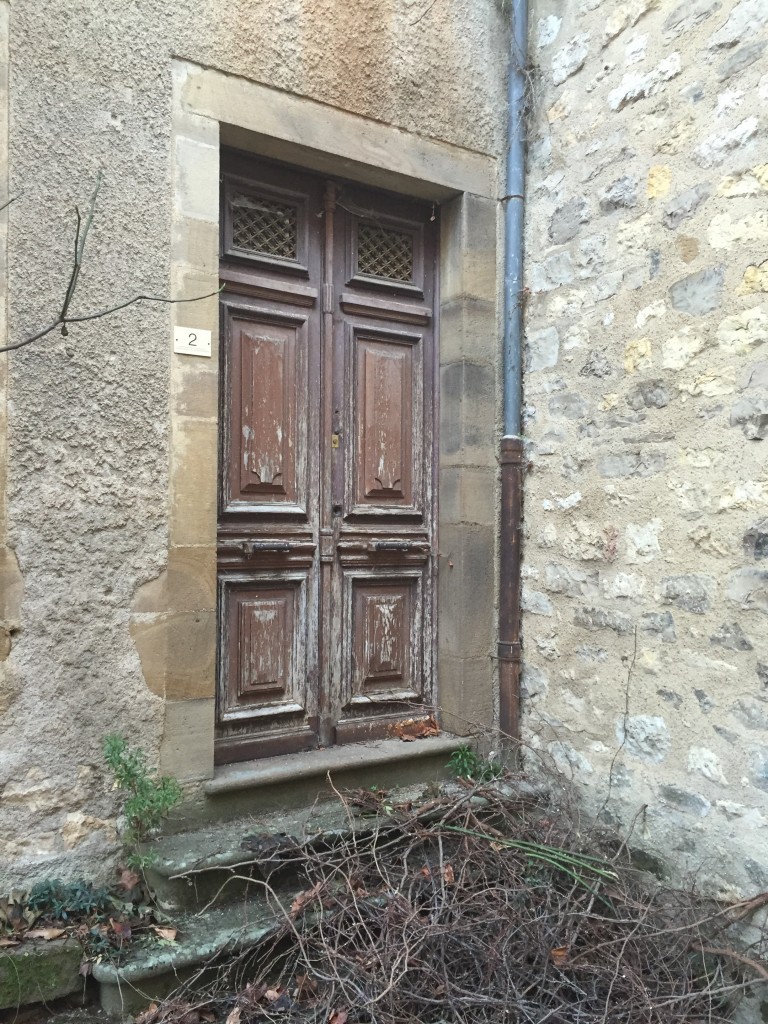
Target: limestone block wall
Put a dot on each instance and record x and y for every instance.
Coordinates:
(90, 597)
(646, 580)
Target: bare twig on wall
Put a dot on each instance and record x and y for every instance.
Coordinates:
(64, 318)
(424, 13)
(11, 200)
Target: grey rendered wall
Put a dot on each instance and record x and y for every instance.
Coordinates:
(86, 477)
(646, 401)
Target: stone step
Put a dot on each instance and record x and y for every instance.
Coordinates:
(223, 863)
(295, 795)
(152, 972)
(302, 779)
(39, 972)
(209, 874)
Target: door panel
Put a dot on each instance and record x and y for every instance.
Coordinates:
(266, 452)
(266, 220)
(266, 650)
(384, 251)
(326, 517)
(385, 424)
(384, 623)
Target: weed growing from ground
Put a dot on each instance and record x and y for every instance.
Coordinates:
(149, 801)
(465, 763)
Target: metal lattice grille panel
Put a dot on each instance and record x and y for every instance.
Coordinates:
(382, 252)
(264, 226)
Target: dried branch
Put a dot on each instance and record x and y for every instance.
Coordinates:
(464, 908)
(64, 319)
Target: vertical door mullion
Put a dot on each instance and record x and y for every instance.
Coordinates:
(325, 452)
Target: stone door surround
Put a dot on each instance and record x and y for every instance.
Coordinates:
(174, 620)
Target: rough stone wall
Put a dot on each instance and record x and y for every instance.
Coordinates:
(90, 87)
(646, 585)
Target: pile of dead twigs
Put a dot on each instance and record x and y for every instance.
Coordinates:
(484, 903)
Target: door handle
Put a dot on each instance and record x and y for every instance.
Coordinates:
(250, 547)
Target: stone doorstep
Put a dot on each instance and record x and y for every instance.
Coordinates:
(154, 972)
(317, 763)
(299, 780)
(219, 845)
(204, 856)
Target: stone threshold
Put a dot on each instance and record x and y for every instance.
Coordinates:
(270, 771)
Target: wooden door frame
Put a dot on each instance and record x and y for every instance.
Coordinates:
(175, 634)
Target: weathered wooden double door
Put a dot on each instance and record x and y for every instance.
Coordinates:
(326, 528)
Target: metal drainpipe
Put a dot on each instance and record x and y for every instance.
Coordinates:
(511, 449)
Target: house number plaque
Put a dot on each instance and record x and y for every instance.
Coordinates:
(192, 341)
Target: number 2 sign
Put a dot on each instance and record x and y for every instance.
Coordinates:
(192, 341)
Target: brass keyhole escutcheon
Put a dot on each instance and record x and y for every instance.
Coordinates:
(335, 440)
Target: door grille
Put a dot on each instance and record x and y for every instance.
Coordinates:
(382, 252)
(264, 226)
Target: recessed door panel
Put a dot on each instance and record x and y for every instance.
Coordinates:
(268, 417)
(384, 464)
(384, 422)
(265, 648)
(384, 623)
(266, 458)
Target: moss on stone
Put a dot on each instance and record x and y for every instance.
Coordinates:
(37, 973)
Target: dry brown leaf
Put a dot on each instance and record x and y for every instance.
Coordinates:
(426, 872)
(45, 933)
(234, 1016)
(148, 1014)
(448, 874)
(338, 1017)
(253, 993)
(122, 929)
(152, 1008)
(181, 1013)
(9, 942)
(273, 994)
(559, 955)
(169, 934)
(304, 898)
(306, 987)
(416, 729)
(128, 879)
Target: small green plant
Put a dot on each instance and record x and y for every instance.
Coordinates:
(150, 799)
(466, 763)
(463, 762)
(64, 900)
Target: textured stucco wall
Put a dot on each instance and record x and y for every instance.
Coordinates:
(647, 408)
(90, 88)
